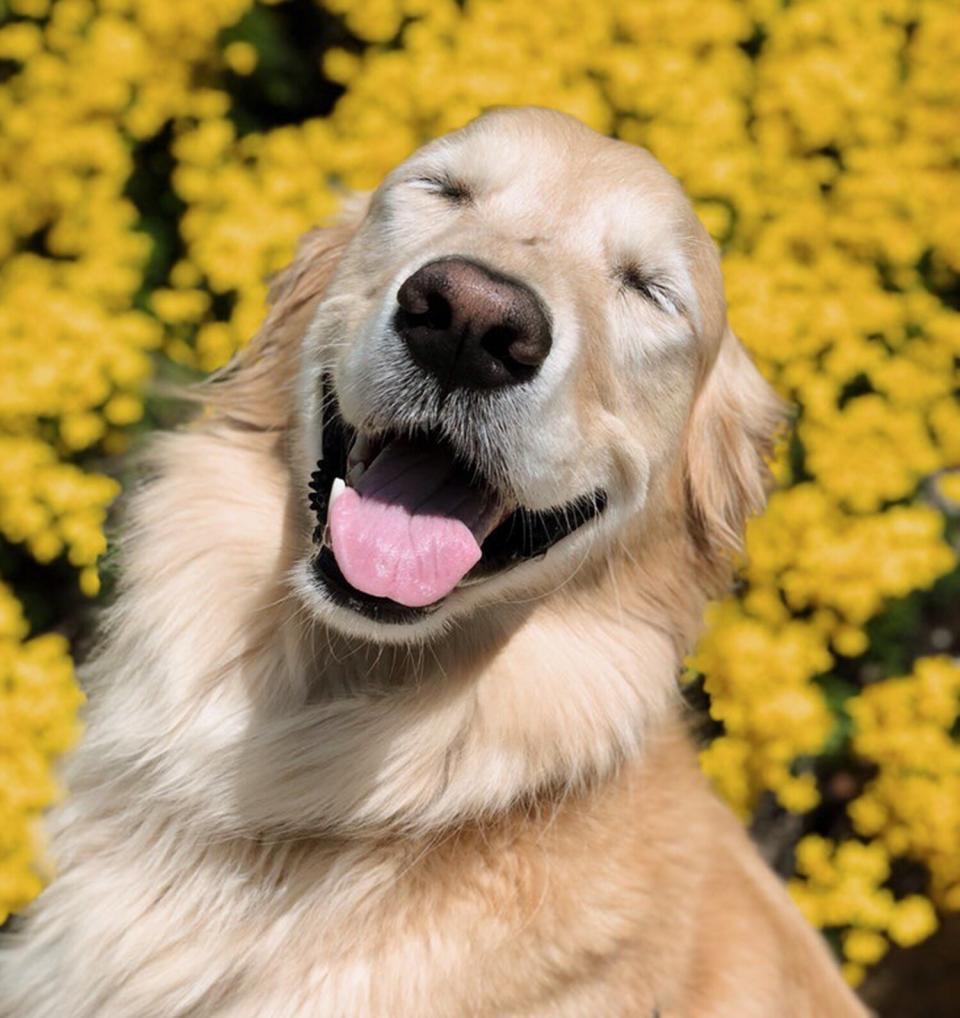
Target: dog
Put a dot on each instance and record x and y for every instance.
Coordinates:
(385, 718)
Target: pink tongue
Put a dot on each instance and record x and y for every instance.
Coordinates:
(410, 529)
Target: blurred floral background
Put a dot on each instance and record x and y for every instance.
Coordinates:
(158, 160)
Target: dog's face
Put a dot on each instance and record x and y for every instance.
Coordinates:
(499, 374)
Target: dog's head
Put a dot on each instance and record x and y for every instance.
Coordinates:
(512, 356)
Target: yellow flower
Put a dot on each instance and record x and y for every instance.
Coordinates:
(913, 920)
(241, 57)
(38, 705)
(949, 486)
(864, 947)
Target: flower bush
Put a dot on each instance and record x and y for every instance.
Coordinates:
(159, 158)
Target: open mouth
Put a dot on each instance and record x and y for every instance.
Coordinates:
(404, 520)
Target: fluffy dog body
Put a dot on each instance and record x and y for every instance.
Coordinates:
(286, 809)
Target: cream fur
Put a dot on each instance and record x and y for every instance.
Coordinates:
(281, 812)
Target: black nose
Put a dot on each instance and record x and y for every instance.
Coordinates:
(471, 327)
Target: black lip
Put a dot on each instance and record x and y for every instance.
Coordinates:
(380, 609)
(530, 534)
(524, 535)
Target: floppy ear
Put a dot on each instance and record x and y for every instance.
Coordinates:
(256, 389)
(729, 439)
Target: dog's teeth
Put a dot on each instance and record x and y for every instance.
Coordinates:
(355, 473)
(336, 490)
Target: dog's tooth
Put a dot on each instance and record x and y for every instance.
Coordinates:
(336, 490)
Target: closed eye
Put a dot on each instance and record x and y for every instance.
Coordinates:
(445, 186)
(649, 286)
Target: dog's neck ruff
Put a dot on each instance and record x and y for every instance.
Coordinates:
(318, 745)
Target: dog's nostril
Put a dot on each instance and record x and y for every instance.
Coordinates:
(431, 312)
(506, 345)
(439, 314)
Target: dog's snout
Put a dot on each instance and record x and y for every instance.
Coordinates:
(471, 327)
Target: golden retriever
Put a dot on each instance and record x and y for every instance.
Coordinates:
(385, 719)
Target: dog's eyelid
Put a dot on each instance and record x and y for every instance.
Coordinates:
(445, 185)
(649, 286)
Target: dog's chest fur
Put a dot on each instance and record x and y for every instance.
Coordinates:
(639, 898)
(484, 922)
(538, 914)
